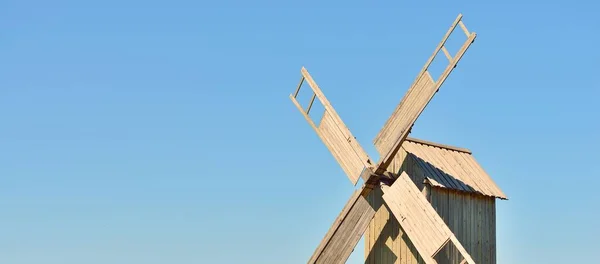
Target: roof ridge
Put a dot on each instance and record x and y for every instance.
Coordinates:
(433, 144)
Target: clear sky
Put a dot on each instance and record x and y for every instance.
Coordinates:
(162, 132)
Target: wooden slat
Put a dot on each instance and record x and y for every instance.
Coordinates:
(334, 133)
(312, 100)
(346, 231)
(298, 87)
(463, 27)
(397, 127)
(422, 224)
(448, 56)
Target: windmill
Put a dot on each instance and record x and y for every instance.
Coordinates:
(423, 226)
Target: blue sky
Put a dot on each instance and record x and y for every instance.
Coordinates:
(162, 132)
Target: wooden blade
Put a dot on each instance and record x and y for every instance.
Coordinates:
(346, 231)
(422, 224)
(334, 133)
(397, 127)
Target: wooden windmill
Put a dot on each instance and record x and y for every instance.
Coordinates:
(428, 233)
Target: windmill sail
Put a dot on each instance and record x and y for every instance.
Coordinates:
(346, 231)
(334, 133)
(397, 127)
(422, 224)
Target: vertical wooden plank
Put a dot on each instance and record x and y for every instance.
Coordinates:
(473, 228)
(381, 235)
(403, 254)
(464, 221)
(479, 229)
(494, 231)
(398, 242)
(406, 256)
(452, 220)
(467, 215)
(368, 245)
(487, 231)
(370, 234)
(393, 240)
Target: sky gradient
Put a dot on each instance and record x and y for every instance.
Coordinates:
(162, 132)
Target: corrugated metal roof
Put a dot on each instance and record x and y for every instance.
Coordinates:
(451, 167)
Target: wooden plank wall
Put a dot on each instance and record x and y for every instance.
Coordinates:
(471, 217)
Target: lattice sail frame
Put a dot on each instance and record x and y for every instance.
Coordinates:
(389, 139)
(333, 132)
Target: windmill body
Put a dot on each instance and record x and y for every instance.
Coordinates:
(421, 202)
(459, 190)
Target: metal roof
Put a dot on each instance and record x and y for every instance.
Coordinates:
(451, 167)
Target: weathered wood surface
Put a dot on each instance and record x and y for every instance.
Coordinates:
(424, 227)
(402, 118)
(439, 145)
(420, 93)
(346, 231)
(429, 235)
(469, 215)
(335, 135)
(452, 169)
(385, 241)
